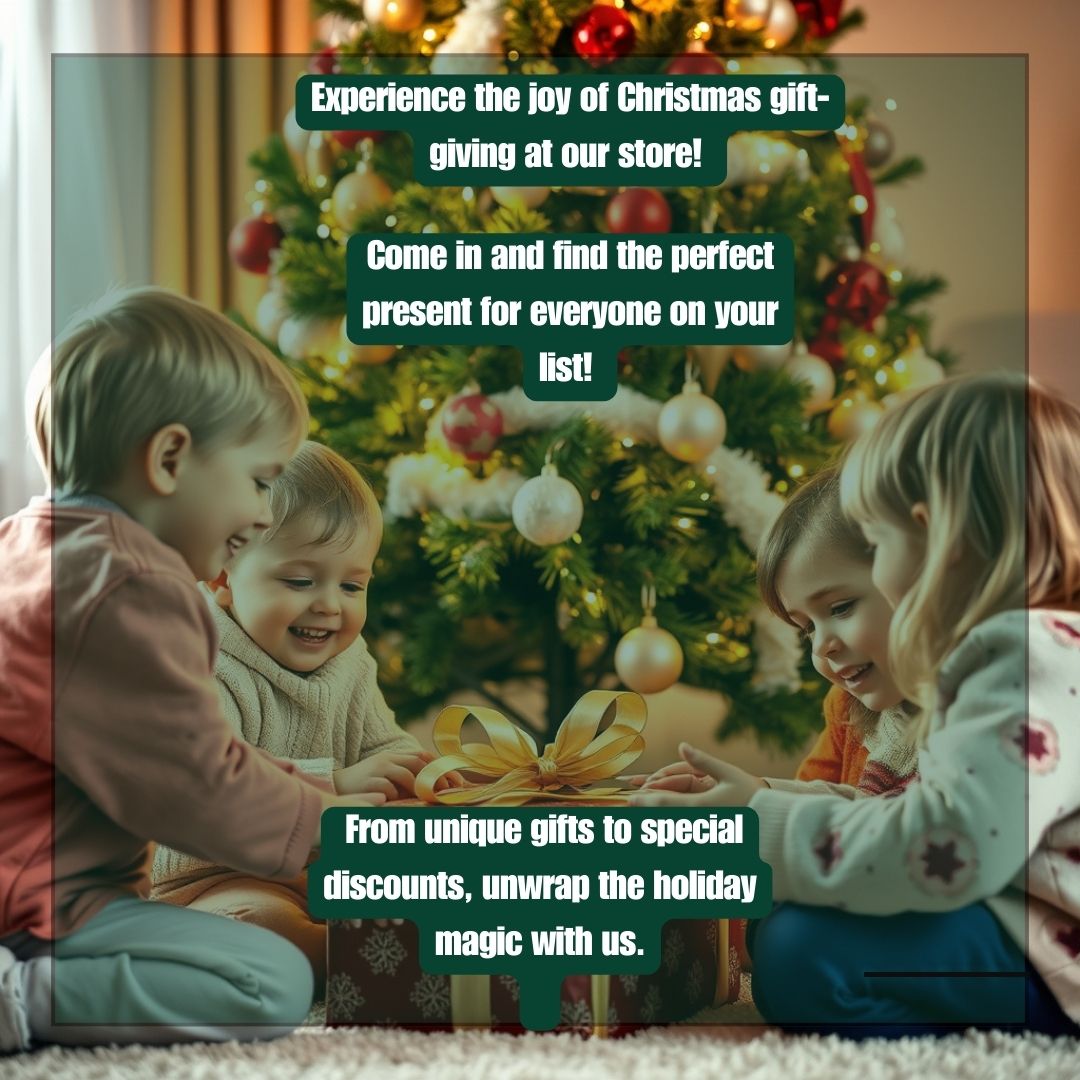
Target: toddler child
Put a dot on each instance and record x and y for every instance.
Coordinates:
(296, 679)
(814, 572)
(159, 425)
(912, 912)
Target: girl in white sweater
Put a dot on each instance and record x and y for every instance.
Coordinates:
(296, 679)
(957, 900)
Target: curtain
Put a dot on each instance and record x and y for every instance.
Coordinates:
(227, 84)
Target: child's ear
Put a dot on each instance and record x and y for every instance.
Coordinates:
(920, 513)
(221, 590)
(166, 455)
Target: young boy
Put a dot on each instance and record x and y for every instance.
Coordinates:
(296, 678)
(160, 427)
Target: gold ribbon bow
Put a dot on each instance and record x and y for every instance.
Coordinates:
(578, 756)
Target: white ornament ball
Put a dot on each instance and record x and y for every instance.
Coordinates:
(769, 357)
(691, 425)
(547, 509)
(649, 659)
(357, 194)
(887, 234)
(304, 336)
(816, 373)
(270, 314)
(924, 370)
(782, 24)
(522, 198)
(296, 138)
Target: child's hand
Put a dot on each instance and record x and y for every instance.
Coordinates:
(672, 777)
(707, 781)
(392, 774)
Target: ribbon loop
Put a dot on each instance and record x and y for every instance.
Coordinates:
(578, 756)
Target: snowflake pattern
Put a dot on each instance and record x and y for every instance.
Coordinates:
(672, 952)
(694, 979)
(431, 995)
(343, 997)
(1065, 632)
(650, 1005)
(383, 952)
(511, 985)
(828, 850)
(1033, 743)
(577, 1016)
(942, 861)
(629, 984)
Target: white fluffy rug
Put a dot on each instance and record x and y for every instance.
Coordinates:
(732, 1050)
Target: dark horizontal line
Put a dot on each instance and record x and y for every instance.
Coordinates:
(944, 974)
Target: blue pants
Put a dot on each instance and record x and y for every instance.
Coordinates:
(814, 970)
(146, 972)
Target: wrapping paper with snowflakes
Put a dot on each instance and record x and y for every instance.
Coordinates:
(374, 977)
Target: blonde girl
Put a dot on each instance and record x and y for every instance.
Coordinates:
(913, 914)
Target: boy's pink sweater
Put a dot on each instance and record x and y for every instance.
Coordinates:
(110, 730)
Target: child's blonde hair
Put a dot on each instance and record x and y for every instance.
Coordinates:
(138, 360)
(320, 484)
(1004, 513)
(812, 514)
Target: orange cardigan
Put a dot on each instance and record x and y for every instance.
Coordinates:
(838, 756)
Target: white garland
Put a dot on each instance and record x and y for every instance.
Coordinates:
(416, 482)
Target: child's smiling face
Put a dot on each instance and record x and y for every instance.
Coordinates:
(301, 601)
(832, 598)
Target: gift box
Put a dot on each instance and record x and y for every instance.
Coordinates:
(374, 977)
(374, 973)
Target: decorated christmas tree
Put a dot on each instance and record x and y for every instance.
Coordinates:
(595, 543)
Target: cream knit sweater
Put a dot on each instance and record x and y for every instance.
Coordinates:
(324, 721)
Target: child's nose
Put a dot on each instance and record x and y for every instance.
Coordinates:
(826, 645)
(325, 602)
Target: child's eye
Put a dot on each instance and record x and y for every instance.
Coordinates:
(262, 485)
(352, 588)
(297, 583)
(844, 608)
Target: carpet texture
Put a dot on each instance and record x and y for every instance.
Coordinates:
(731, 1049)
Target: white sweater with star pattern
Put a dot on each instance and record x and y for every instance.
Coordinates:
(327, 720)
(1003, 752)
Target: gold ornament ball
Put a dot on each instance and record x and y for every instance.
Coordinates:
(649, 659)
(357, 195)
(816, 373)
(691, 425)
(655, 7)
(710, 361)
(522, 198)
(397, 16)
(852, 416)
(547, 509)
(782, 24)
(368, 355)
(748, 15)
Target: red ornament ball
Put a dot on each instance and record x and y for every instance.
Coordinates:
(251, 242)
(324, 62)
(696, 63)
(603, 33)
(820, 17)
(472, 425)
(638, 210)
(857, 291)
(348, 140)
